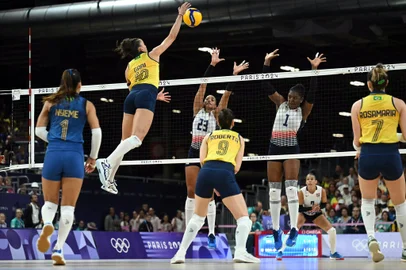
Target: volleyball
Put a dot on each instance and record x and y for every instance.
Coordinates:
(192, 17)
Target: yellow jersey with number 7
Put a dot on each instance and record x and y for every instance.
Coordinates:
(223, 145)
(378, 118)
(143, 69)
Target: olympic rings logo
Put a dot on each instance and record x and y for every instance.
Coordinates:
(360, 245)
(120, 245)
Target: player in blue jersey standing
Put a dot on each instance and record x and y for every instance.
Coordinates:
(66, 112)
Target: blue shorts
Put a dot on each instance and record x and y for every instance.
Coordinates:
(282, 150)
(193, 153)
(217, 175)
(59, 164)
(377, 159)
(142, 96)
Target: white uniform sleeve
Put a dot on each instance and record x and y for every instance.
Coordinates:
(96, 142)
(42, 133)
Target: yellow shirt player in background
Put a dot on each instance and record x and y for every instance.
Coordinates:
(375, 120)
(221, 156)
(142, 76)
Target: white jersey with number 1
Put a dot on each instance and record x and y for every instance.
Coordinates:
(287, 124)
(311, 199)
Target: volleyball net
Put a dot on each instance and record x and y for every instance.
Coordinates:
(327, 133)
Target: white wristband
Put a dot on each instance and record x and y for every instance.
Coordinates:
(357, 148)
(96, 142)
(401, 138)
(42, 133)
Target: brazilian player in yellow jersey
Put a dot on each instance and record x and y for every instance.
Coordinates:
(221, 156)
(142, 76)
(375, 120)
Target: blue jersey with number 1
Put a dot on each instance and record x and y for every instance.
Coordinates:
(67, 120)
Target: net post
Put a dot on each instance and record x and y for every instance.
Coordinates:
(31, 106)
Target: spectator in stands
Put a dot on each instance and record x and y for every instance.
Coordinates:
(392, 212)
(3, 223)
(121, 217)
(341, 204)
(352, 178)
(22, 190)
(355, 203)
(140, 219)
(110, 219)
(125, 223)
(379, 227)
(256, 227)
(32, 214)
(332, 216)
(146, 226)
(178, 224)
(345, 218)
(339, 173)
(22, 156)
(91, 226)
(34, 189)
(145, 207)
(17, 222)
(133, 221)
(166, 226)
(156, 222)
(9, 185)
(346, 195)
(81, 226)
(383, 202)
(378, 213)
(353, 226)
(2, 184)
(257, 209)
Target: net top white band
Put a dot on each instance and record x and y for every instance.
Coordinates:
(222, 79)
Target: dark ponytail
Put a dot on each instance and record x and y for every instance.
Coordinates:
(69, 84)
(378, 77)
(313, 172)
(129, 47)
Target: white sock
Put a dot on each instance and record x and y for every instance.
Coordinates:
(275, 203)
(65, 225)
(368, 216)
(332, 236)
(189, 209)
(293, 202)
(401, 220)
(211, 217)
(123, 148)
(115, 169)
(192, 228)
(48, 211)
(244, 225)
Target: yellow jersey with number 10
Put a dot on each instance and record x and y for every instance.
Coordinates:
(143, 69)
(223, 145)
(378, 119)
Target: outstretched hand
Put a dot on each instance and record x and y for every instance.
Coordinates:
(272, 55)
(90, 165)
(163, 96)
(182, 9)
(317, 60)
(215, 57)
(240, 67)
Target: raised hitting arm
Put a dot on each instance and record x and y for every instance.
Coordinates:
(311, 95)
(199, 98)
(266, 84)
(160, 49)
(240, 155)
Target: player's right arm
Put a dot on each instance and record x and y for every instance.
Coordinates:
(240, 155)
(42, 122)
(203, 149)
(93, 121)
(199, 97)
(160, 49)
(273, 95)
(356, 128)
(401, 108)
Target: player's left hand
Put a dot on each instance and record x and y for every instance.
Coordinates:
(90, 165)
(217, 193)
(240, 67)
(317, 60)
(357, 155)
(163, 96)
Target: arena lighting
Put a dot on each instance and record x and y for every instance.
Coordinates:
(237, 121)
(111, 100)
(252, 154)
(347, 114)
(205, 49)
(104, 99)
(246, 140)
(357, 83)
(289, 68)
(221, 91)
(338, 135)
(176, 111)
(131, 2)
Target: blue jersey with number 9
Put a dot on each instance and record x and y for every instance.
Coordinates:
(67, 120)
